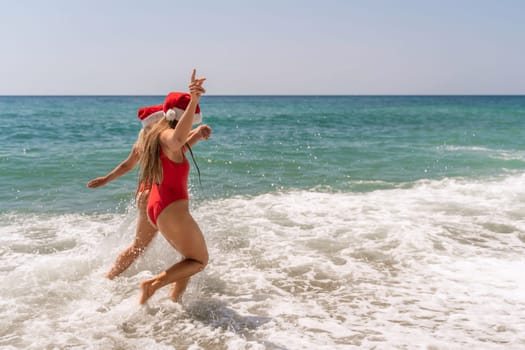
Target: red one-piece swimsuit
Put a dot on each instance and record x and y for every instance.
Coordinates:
(174, 186)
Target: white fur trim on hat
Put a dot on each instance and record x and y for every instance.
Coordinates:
(176, 114)
(152, 118)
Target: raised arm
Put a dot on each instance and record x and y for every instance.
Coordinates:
(121, 169)
(175, 139)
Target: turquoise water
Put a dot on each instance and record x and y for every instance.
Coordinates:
(332, 223)
(51, 146)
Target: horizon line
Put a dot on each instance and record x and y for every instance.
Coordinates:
(272, 95)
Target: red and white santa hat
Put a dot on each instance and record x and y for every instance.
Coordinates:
(175, 105)
(150, 114)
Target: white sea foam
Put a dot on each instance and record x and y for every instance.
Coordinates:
(492, 153)
(435, 266)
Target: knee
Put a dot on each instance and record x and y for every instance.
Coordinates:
(205, 261)
(201, 260)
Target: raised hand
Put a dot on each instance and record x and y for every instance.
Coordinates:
(196, 89)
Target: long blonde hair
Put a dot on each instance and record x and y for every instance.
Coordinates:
(139, 144)
(150, 163)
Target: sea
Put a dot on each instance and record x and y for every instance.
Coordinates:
(332, 222)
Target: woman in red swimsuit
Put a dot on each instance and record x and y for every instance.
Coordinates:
(165, 167)
(145, 231)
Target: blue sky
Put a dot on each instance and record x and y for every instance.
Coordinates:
(262, 47)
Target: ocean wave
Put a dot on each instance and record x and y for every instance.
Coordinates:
(436, 264)
(494, 153)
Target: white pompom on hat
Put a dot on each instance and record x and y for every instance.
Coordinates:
(175, 105)
(150, 114)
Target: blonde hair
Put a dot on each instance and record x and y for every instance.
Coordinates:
(139, 144)
(150, 163)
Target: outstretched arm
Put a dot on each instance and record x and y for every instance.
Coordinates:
(119, 170)
(202, 132)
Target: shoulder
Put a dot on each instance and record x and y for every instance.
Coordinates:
(136, 150)
(165, 141)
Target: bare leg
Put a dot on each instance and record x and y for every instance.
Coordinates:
(187, 238)
(179, 271)
(144, 234)
(178, 288)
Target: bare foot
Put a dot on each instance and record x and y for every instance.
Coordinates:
(111, 274)
(148, 289)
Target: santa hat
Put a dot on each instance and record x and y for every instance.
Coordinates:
(175, 105)
(150, 114)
